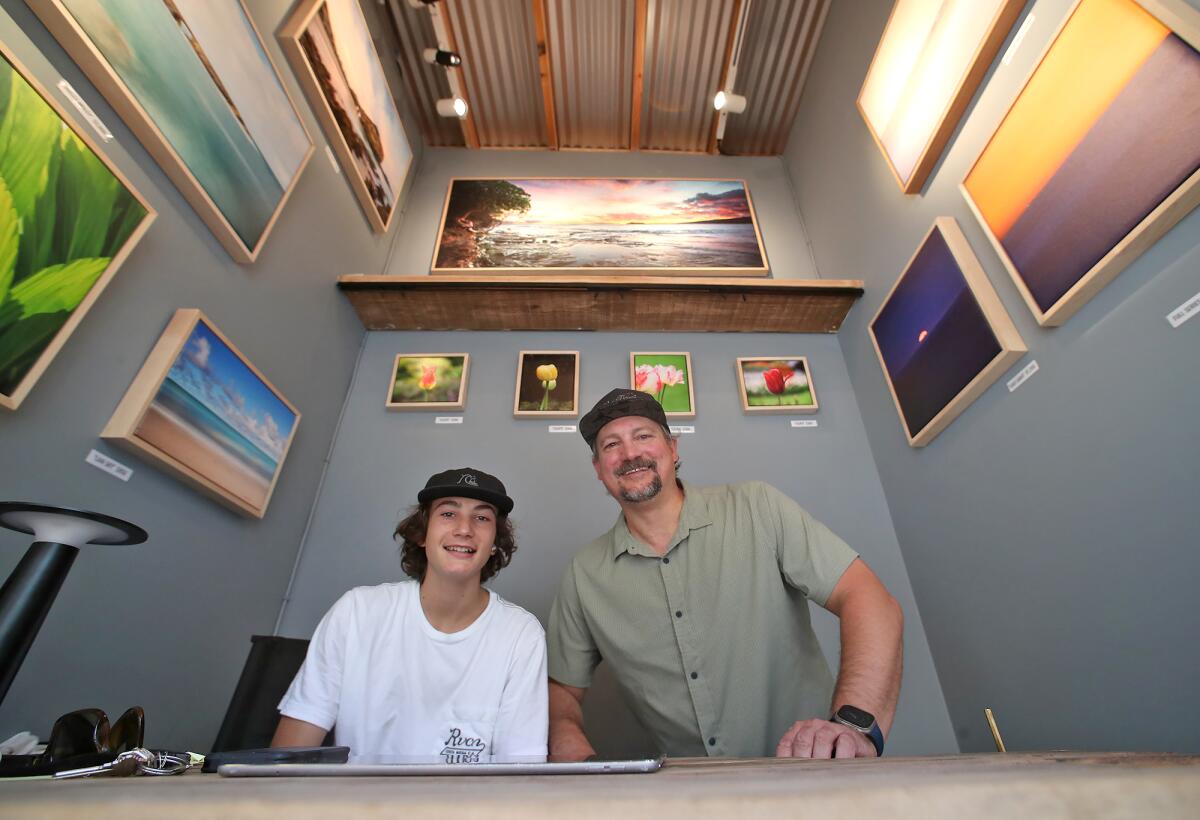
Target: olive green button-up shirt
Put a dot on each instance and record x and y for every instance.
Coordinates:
(711, 643)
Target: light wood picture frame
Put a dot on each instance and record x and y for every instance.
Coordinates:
(68, 220)
(547, 384)
(199, 409)
(1098, 156)
(333, 56)
(668, 378)
(928, 65)
(942, 335)
(582, 225)
(776, 384)
(194, 82)
(429, 381)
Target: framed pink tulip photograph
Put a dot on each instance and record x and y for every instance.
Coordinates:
(667, 377)
(547, 384)
(781, 384)
(429, 381)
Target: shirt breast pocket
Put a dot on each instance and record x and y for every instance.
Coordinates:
(466, 736)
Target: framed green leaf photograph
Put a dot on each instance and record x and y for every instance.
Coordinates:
(68, 219)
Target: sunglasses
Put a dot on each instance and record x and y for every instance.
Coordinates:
(80, 738)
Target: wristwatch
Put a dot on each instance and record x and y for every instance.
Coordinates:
(863, 721)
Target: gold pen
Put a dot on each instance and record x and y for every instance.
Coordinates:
(995, 730)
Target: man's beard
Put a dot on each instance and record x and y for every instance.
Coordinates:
(645, 493)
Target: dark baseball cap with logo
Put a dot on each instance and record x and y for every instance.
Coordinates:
(467, 482)
(617, 404)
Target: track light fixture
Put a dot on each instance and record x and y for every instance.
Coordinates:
(729, 102)
(452, 107)
(436, 56)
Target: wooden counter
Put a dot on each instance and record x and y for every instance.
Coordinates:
(1025, 786)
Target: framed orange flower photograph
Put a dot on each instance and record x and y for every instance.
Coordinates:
(429, 381)
(547, 384)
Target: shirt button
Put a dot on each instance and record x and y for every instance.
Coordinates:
(712, 741)
(694, 676)
(666, 560)
(679, 613)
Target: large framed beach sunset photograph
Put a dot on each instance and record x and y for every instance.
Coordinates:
(581, 225)
(201, 410)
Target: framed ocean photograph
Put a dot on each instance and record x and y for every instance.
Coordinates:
(929, 63)
(194, 82)
(547, 384)
(429, 381)
(333, 56)
(577, 225)
(200, 409)
(68, 220)
(776, 384)
(1099, 154)
(668, 378)
(942, 335)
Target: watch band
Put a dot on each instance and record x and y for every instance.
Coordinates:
(874, 734)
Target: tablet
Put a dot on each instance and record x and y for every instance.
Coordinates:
(436, 769)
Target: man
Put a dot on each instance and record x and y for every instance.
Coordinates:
(698, 597)
(436, 667)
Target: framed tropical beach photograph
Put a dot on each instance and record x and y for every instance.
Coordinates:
(68, 220)
(578, 225)
(200, 409)
(333, 56)
(668, 378)
(1099, 154)
(942, 334)
(429, 381)
(547, 384)
(779, 384)
(194, 82)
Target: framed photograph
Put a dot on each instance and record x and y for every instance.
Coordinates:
(429, 381)
(667, 377)
(547, 384)
(927, 67)
(779, 384)
(193, 81)
(201, 410)
(1098, 156)
(942, 335)
(576, 225)
(332, 53)
(68, 219)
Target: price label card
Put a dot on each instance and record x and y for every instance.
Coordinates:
(562, 428)
(1022, 377)
(85, 110)
(1185, 311)
(108, 465)
(683, 429)
(804, 422)
(448, 420)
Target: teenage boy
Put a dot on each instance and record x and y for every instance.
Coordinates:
(436, 667)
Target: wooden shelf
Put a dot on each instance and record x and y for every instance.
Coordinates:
(648, 303)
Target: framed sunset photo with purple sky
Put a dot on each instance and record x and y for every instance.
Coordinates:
(1098, 156)
(942, 335)
(575, 225)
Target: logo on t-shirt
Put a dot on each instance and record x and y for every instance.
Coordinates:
(460, 748)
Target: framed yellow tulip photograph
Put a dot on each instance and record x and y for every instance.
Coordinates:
(547, 384)
(429, 381)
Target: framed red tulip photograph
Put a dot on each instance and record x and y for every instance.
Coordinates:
(429, 381)
(779, 384)
(547, 384)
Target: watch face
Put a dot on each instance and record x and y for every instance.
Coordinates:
(856, 716)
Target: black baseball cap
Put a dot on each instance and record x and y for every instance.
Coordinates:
(617, 404)
(468, 483)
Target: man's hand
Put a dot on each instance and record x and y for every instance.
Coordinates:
(568, 743)
(823, 739)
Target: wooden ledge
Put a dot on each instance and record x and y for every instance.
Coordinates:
(645, 303)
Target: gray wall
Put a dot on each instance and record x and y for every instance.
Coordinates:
(1049, 532)
(166, 625)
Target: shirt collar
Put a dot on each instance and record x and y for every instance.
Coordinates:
(693, 516)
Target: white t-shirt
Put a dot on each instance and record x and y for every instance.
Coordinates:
(397, 688)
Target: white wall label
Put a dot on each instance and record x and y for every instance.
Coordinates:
(1185, 311)
(448, 420)
(85, 110)
(108, 465)
(682, 429)
(1022, 377)
(804, 422)
(562, 428)
(332, 159)
(1016, 43)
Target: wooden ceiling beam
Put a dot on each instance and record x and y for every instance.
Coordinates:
(544, 68)
(639, 63)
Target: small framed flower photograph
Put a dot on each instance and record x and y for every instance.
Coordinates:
(781, 384)
(547, 384)
(667, 377)
(429, 381)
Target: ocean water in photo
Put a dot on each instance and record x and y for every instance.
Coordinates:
(688, 245)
